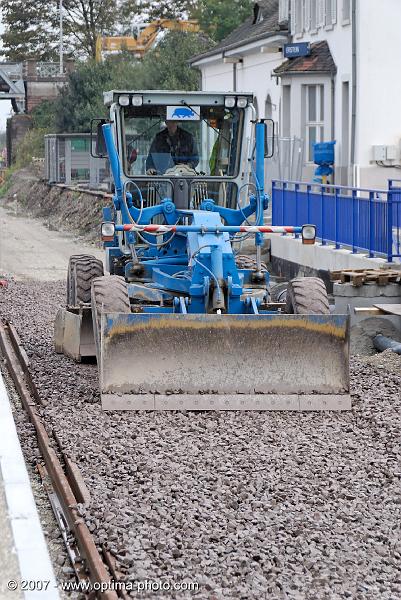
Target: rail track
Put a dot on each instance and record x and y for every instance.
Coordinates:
(62, 479)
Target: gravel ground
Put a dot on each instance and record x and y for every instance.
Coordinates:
(61, 565)
(248, 505)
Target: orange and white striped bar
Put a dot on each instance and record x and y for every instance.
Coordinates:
(153, 228)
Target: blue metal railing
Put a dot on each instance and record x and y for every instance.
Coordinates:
(355, 218)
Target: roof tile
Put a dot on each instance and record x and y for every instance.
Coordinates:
(249, 31)
(320, 60)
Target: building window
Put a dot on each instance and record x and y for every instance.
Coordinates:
(330, 13)
(313, 15)
(314, 121)
(346, 11)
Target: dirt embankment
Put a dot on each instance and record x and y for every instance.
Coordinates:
(61, 209)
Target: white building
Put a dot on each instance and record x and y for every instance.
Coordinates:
(347, 89)
(244, 61)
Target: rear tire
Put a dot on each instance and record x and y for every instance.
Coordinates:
(82, 269)
(108, 294)
(278, 293)
(307, 296)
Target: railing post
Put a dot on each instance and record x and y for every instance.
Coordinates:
(390, 222)
(283, 204)
(322, 213)
(296, 207)
(283, 187)
(336, 217)
(371, 224)
(68, 161)
(273, 201)
(354, 220)
(308, 190)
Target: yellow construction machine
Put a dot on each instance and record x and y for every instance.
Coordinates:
(146, 36)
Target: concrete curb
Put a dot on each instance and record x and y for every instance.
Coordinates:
(28, 539)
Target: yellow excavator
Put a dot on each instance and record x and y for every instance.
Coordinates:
(145, 38)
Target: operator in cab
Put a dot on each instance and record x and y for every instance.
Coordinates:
(170, 147)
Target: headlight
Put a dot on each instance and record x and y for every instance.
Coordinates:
(242, 102)
(107, 231)
(308, 234)
(137, 100)
(123, 100)
(229, 101)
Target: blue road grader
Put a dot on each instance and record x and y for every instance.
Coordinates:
(181, 319)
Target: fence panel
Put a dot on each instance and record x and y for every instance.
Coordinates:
(68, 160)
(355, 218)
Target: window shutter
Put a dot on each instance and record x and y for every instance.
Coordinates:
(300, 16)
(283, 11)
(321, 16)
(307, 20)
(346, 10)
(313, 14)
(293, 17)
(333, 12)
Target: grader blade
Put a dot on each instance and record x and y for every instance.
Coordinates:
(224, 362)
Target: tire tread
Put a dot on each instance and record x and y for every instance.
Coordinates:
(307, 296)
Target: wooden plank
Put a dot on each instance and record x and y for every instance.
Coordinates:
(390, 309)
(368, 310)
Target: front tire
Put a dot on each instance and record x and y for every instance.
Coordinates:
(307, 296)
(82, 269)
(108, 294)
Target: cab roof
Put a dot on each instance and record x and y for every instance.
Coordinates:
(175, 97)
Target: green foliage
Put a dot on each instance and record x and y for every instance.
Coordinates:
(29, 29)
(8, 180)
(32, 27)
(218, 18)
(167, 9)
(44, 115)
(84, 20)
(32, 145)
(82, 99)
(164, 67)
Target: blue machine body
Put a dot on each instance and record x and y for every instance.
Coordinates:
(196, 270)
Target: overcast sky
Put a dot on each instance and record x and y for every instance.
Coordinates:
(5, 105)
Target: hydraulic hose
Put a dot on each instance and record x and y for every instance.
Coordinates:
(382, 343)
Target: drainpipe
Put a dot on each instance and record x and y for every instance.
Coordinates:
(234, 61)
(354, 90)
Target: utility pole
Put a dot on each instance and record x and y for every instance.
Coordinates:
(61, 38)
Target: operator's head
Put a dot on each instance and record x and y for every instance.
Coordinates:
(171, 127)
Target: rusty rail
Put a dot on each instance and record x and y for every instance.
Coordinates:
(17, 363)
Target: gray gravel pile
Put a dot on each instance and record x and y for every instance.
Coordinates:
(248, 505)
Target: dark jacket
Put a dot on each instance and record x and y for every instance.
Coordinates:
(181, 148)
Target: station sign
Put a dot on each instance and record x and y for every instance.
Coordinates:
(295, 50)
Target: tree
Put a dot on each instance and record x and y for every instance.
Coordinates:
(32, 27)
(166, 9)
(82, 99)
(218, 18)
(166, 66)
(84, 20)
(29, 30)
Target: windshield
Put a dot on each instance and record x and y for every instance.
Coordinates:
(182, 140)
